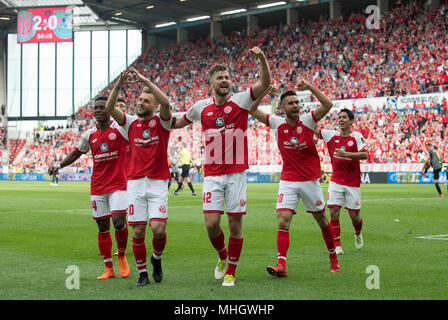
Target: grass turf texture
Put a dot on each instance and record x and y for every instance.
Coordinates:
(45, 229)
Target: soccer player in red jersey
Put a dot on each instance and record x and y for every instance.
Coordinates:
(107, 142)
(346, 149)
(301, 169)
(224, 120)
(148, 171)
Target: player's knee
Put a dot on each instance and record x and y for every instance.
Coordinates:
(103, 225)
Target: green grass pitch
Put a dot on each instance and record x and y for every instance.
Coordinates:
(45, 229)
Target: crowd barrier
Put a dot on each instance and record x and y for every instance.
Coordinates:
(257, 177)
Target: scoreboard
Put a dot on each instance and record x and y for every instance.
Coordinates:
(45, 25)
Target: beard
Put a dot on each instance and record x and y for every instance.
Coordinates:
(143, 113)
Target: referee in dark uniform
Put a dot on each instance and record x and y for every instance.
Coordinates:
(435, 161)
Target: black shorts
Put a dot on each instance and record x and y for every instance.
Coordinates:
(185, 170)
(436, 174)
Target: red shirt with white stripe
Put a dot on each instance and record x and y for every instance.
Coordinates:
(225, 132)
(296, 144)
(108, 152)
(346, 171)
(148, 140)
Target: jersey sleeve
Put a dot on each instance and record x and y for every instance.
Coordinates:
(244, 99)
(308, 120)
(194, 113)
(120, 129)
(128, 119)
(327, 134)
(360, 142)
(274, 122)
(166, 124)
(83, 145)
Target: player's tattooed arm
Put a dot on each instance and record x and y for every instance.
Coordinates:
(325, 103)
(257, 113)
(68, 160)
(265, 73)
(111, 102)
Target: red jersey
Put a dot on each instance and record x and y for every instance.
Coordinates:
(148, 140)
(296, 144)
(108, 152)
(346, 171)
(225, 132)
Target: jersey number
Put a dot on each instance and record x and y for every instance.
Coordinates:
(207, 197)
(131, 209)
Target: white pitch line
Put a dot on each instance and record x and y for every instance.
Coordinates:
(434, 237)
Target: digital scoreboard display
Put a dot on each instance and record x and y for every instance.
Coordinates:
(45, 25)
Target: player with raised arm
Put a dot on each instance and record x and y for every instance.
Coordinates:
(107, 142)
(435, 161)
(224, 120)
(301, 169)
(346, 149)
(148, 172)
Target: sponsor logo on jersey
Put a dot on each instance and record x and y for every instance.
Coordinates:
(343, 148)
(146, 134)
(104, 147)
(294, 140)
(112, 136)
(220, 121)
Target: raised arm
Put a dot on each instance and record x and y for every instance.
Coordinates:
(165, 112)
(68, 160)
(265, 73)
(325, 103)
(257, 113)
(116, 113)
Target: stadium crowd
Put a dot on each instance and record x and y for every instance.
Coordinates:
(409, 55)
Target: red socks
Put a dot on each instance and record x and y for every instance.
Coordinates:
(282, 245)
(219, 245)
(158, 245)
(105, 246)
(122, 240)
(139, 249)
(337, 232)
(235, 247)
(357, 227)
(328, 235)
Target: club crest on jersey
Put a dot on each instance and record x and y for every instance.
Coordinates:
(318, 203)
(299, 130)
(104, 147)
(112, 136)
(242, 203)
(294, 140)
(228, 109)
(220, 121)
(162, 209)
(350, 143)
(152, 123)
(146, 134)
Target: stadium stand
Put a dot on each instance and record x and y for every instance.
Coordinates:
(406, 57)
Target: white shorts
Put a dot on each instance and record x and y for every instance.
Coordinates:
(228, 188)
(148, 200)
(337, 193)
(290, 192)
(105, 204)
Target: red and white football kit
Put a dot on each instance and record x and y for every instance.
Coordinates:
(148, 171)
(226, 155)
(108, 181)
(301, 165)
(346, 177)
